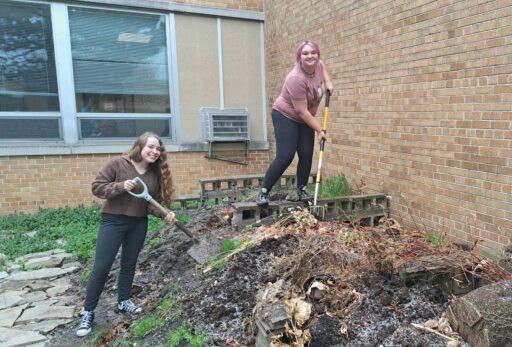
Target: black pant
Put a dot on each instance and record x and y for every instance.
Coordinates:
(114, 231)
(291, 138)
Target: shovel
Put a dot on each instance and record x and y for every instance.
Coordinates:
(200, 251)
(319, 211)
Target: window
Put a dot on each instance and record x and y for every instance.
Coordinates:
(28, 79)
(120, 66)
(119, 61)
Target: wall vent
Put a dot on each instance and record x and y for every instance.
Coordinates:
(224, 124)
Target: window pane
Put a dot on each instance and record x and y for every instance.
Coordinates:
(29, 128)
(119, 61)
(115, 128)
(28, 80)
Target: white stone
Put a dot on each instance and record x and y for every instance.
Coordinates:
(10, 298)
(9, 315)
(26, 286)
(26, 257)
(16, 337)
(47, 261)
(45, 326)
(36, 296)
(3, 274)
(66, 300)
(57, 290)
(41, 274)
(43, 312)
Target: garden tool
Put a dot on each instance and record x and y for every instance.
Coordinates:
(319, 211)
(201, 252)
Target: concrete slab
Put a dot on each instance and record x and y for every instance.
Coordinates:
(16, 337)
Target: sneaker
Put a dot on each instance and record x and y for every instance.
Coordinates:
(293, 196)
(85, 324)
(128, 306)
(262, 198)
(303, 194)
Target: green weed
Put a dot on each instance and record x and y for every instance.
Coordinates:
(184, 333)
(86, 274)
(76, 226)
(219, 263)
(3, 263)
(335, 186)
(153, 242)
(227, 245)
(145, 325)
(434, 238)
(93, 338)
(182, 217)
(167, 308)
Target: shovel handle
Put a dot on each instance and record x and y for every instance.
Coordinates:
(177, 223)
(144, 195)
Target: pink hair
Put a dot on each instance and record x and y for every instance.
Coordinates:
(301, 45)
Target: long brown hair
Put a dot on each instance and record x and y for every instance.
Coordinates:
(161, 166)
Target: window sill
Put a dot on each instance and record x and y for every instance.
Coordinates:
(100, 147)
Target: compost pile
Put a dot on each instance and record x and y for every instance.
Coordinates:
(339, 285)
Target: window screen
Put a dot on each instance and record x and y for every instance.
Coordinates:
(28, 80)
(119, 61)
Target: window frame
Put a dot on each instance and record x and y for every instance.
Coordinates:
(69, 117)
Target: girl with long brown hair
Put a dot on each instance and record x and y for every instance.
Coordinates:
(124, 219)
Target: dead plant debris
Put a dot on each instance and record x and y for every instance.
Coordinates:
(301, 282)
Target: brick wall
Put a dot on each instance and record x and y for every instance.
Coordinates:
(422, 108)
(31, 182)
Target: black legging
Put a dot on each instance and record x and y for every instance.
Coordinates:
(291, 138)
(116, 230)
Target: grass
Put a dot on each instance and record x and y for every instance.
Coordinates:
(167, 308)
(335, 186)
(184, 333)
(434, 238)
(76, 226)
(226, 246)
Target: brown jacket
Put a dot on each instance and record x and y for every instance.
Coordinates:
(109, 185)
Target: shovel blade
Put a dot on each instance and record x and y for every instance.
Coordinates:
(202, 252)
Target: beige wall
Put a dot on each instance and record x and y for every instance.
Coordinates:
(242, 65)
(422, 108)
(196, 40)
(199, 75)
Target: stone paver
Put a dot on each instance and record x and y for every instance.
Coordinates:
(10, 315)
(10, 298)
(32, 303)
(41, 274)
(10, 337)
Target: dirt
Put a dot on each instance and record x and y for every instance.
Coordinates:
(220, 302)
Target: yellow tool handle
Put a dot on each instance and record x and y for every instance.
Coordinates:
(326, 110)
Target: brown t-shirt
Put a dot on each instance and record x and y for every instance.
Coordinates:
(109, 185)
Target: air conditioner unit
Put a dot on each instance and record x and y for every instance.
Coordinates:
(224, 124)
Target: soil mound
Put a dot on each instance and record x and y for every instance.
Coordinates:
(363, 286)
